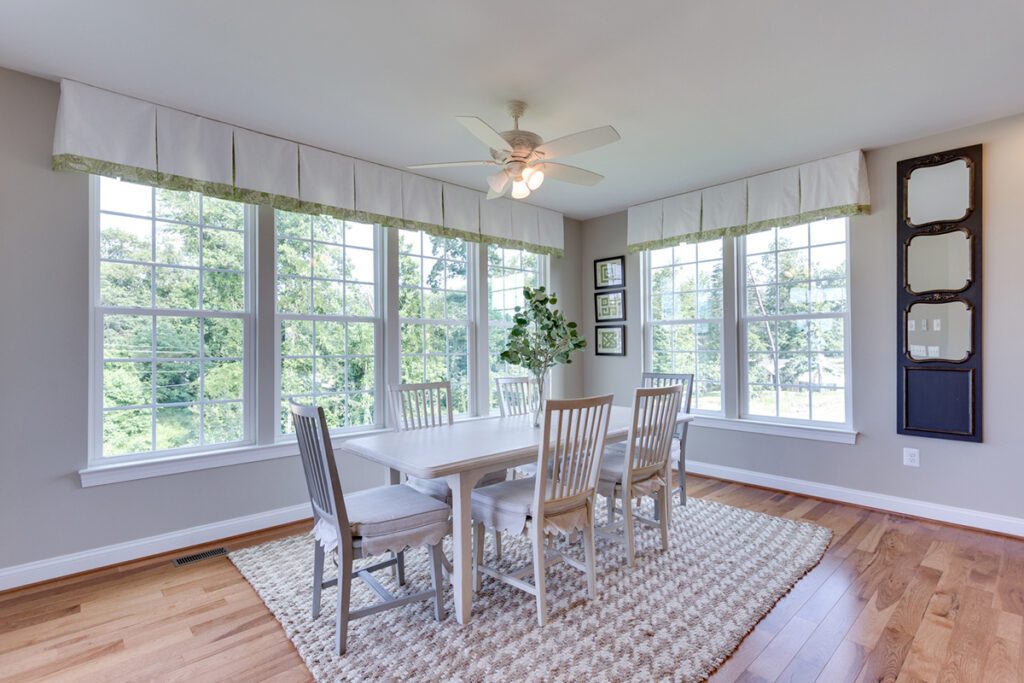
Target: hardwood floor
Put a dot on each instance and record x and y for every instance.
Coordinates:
(894, 599)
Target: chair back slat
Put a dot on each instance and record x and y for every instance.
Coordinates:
(516, 395)
(570, 454)
(319, 466)
(655, 411)
(417, 406)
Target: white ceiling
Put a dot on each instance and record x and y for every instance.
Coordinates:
(702, 92)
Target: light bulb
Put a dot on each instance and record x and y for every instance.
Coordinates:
(498, 181)
(520, 189)
(533, 177)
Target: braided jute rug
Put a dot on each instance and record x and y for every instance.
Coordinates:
(677, 615)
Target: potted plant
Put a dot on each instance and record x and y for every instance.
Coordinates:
(540, 339)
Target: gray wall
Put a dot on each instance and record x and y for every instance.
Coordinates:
(985, 476)
(567, 380)
(44, 260)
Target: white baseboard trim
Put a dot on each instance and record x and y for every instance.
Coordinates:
(65, 565)
(977, 519)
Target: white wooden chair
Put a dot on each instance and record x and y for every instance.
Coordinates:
(560, 499)
(367, 523)
(517, 396)
(643, 469)
(423, 406)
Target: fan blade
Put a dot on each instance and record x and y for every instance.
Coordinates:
(570, 174)
(453, 164)
(579, 142)
(484, 133)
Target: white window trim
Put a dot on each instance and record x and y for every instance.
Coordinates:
(733, 356)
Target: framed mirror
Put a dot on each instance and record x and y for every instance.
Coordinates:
(939, 262)
(939, 331)
(939, 193)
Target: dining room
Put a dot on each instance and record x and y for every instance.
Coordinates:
(649, 344)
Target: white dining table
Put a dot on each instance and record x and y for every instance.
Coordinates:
(462, 453)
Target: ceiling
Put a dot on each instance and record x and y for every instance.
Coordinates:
(702, 92)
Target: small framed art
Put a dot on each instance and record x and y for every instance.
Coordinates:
(610, 306)
(610, 272)
(611, 340)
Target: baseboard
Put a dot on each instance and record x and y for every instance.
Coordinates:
(976, 519)
(74, 563)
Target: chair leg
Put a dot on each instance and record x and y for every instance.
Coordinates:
(497, 544)
(343, 600)
(664, 503)
(538, 572)
(318, 576)
(478, 553)
(437, 580)
(591, 559)
(627, 528)
(400, 567)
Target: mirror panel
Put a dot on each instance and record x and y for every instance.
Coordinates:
(939, 193)
(939, 331)
(937, 263)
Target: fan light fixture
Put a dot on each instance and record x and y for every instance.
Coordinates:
(534, 177)
(520, 189)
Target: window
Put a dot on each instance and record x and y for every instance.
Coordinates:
(794, 320)
(434, 312)
(508, 271)
(761, 321)
(686, 317)
(172, 319)
(327, 317)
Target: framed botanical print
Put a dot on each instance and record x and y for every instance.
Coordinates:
(610, 272)
(610, 306)
(611, 340)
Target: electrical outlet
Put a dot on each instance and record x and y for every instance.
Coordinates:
(911, 457)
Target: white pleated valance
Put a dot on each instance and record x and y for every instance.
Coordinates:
(108, 134)
(827, 188)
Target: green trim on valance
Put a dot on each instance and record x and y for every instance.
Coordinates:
(110, 169)
(751, 228)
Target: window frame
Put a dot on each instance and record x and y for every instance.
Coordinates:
(97, 311)
(735, 414)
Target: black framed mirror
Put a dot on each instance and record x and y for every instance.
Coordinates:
(939, 357)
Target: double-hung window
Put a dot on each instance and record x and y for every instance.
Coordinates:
(327, 317)
(762, 322)
(172, 321)
(508, 272)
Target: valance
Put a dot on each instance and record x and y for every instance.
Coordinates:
(113, 135)
(827, 188)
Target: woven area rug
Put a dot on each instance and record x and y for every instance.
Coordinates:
(678, 614)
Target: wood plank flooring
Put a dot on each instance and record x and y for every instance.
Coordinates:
(894, 599)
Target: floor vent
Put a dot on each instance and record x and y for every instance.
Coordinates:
(206, 554)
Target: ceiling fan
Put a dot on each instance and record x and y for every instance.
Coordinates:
(525, 159)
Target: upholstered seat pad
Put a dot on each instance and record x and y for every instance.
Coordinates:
(619, 448)
(392, 509)
(439, 489)
(610, 482)
(508, 505)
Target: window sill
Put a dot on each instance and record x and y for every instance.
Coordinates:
(813, 433)
(114, 472)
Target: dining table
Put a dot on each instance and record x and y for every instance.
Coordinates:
(462, 453)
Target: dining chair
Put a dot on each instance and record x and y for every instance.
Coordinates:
(517, 396)
(643, 469)
(558, 500)
(661, 379)
(423, 406)
(387, 519)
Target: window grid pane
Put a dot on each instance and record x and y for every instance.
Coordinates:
(508, 272)
(794, 322)
(173, 307)
(327, 318)
(686, 284)
(434, 312)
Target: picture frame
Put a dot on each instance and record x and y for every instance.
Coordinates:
(610, 340)
(610, 306)
(610, 272)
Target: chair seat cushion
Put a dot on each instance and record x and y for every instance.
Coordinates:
(619, 448)
(439, 489)
(392, 509)
(508, 505)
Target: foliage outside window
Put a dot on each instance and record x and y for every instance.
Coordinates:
(434, 315)
(508, 272)
(173, 317)
(327, 317)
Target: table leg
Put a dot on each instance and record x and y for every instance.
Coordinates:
(462, 488)
(398, 570)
